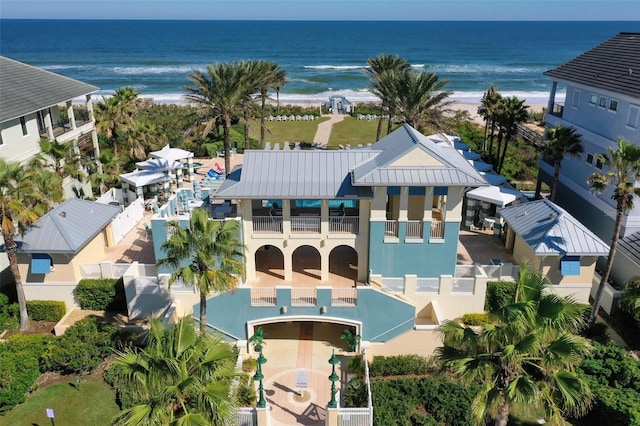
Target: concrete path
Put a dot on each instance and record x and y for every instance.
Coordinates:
(324, 129)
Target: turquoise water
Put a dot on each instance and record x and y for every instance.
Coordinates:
(317, 203)
(321, 58)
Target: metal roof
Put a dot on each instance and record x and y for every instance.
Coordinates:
(382, 170)
(613, 65)
(550, 230)
(68, 227)
(630, 246)
(25, 89)
(304, 174)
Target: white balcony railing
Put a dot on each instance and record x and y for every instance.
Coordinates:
(414, 229)
(263, 296)
(437, 229)
(344, 224)
(305, 224)
(344, 297)
(267, 224)
(391, 228)
(304, 297)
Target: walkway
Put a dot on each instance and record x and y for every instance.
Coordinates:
(300, 347)
(324, 130)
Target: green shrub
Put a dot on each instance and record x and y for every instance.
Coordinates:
(245, 393)
(81, 348)
(499, 294)
(46, 310)
(125, 396)
(9, 314)
(476, 319)
(356, 394)
(102, 294)
(19, 359)
(398, 365)
(249, 365)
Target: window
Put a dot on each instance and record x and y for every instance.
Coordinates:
(599, 163)
(613, 105)
(632, 119)
(593, 100)
(570, 265)
(576, 99)
(590, 158)
(23, 124)
(603, 102)
(41, 263)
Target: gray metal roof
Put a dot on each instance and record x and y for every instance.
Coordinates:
(453, 170)
(26, 89)
(550, 230)
(305, 174)
(68, 227)
(613, 65)
(630, 246)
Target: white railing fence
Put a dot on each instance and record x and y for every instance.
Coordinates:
(305, 224)
(246, 416)
(270, 224)
(344, 296)
(344, 224)
(414, 229)
(263, 296)
(391, 228)
(303, 297)
(115, 270)
(437, 229)
(393, 285)
(428, 285)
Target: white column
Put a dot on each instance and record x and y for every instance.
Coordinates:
(71, 115)
(96, 149)
(90, 108)
(48, 124)
(286, 218)
(379, 204)
(324, 218)
(428, 204)
(403, 214)
(324, 265)
(288, 263)
(552, 97)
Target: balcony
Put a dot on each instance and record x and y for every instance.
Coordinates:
(437, 229)
(557, 110)
(306, 224)
(303, 297)
(414, 229)
(267, 224)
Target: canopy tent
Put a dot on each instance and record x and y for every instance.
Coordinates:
(480, 166)
(494, 179)
(470, 155)
(158, 164)
(141, 178)
(172, 154)
(497, 195)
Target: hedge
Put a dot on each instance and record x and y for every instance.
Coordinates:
(476, 319)
(19, 359)
(46, 310)
(499, 294)
(398, 365)
(102, 294)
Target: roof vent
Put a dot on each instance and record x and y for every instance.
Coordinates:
(63, 214)
(552, 216)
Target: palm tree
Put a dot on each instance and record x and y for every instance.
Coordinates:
(24, 197)
(207, 256)
(624, 171)
(488, 106)
(497, 106)
(59, 158)
(383, 71)
(421, 98)
(267, 75)
(220, 93)
(180, 378)
(561, 141)
(514, 112)
(527, 355)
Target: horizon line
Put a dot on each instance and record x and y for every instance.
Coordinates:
(315, 20)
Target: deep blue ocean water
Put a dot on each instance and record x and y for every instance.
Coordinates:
(320, 57)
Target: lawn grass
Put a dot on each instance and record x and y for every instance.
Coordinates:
(352, 131)
(292, 131)
(93, 404)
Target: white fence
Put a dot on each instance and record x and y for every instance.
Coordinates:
(344, 296)
(128, 218)
(263, 296)
(428, 285)
(393, 285)
(354, 416)
(414, 229)
(303, 297)
(246, 416)
(437, 229)
(115, 270)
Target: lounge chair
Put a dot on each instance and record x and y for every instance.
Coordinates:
(218, 168)
(215, 174)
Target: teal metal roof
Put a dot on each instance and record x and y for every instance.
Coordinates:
(25, 89)
(549, 230)
(68, 227)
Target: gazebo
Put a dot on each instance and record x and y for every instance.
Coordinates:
(138, 179)
(177, 154)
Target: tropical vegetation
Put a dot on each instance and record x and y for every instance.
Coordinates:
(180, 377)
(623, 171)
(560, 142)
(527, 355)
(207, 255)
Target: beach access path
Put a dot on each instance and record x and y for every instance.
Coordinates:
(324, 129)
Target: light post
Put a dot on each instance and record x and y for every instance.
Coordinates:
(262, 403)
(334, 378)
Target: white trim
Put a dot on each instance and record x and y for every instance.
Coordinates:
(314, 318)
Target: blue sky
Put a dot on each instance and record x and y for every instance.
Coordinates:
(589, 10)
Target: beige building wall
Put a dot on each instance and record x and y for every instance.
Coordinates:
(15, 146)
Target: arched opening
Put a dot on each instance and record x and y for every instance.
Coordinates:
(270, 261)
(343, 266)
(306, 263)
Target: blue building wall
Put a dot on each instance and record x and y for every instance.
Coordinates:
(424, 259)
(383, 317)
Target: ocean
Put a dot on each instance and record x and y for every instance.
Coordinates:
(321, 58)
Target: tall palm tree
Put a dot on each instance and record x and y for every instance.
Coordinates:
(623, 164)
(514, 112)
(527, 355)
(497, 106)
(207, 256)
(561, 141)
(267, 75)
(487, 111)
(24, 198)
(220, 93)
(180, 378)
(421, 98)
(383, 71)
